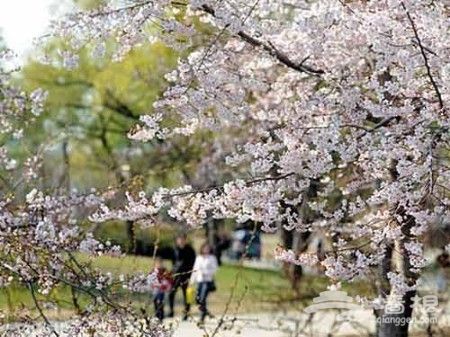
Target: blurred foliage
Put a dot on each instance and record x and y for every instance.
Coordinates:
(92, 108)
(155, 241)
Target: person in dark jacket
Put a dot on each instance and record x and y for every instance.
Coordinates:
(443, 264)
(183, 262)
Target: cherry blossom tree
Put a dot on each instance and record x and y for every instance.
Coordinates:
(349, 95)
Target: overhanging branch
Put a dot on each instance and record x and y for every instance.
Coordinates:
(425, 57)
(270, 48)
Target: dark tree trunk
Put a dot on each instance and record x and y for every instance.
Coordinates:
(395, 325)
(131, 237)
(216, 238)
(296, 240)
(389, 323)
(211, 229)
(65, 177)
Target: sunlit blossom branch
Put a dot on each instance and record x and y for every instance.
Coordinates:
(89, 291)
(220, 187)
(271, 49)
(210, 47)
(120, 9)
(290, 256)
(425, 57)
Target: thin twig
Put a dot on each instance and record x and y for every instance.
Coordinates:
(75, 261)
(223, 30)
(38, 307)
(210, 47)
(425, 57)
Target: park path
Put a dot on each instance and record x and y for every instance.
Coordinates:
(285, 324)
(290, 324)
(323, 323)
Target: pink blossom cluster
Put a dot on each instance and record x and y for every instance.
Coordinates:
(290, 257)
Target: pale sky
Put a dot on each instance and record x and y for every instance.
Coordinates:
(23, 20)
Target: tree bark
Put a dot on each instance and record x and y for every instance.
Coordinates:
(396, 259)
(390, 324)
(396, 325)
(132, 249)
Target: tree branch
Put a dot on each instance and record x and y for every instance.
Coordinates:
(270, 48)
(384, 122)
(248, 183)
(425, 57)
(120, 107)
(38, 307)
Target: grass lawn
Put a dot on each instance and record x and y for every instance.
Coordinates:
(239, 290)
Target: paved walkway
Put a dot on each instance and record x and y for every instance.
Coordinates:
(290, 324)
(321, 324)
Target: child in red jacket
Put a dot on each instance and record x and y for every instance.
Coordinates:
(161, 288)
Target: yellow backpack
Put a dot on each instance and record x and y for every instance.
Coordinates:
(190, 294)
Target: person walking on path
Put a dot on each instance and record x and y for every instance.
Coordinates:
(164, 284)
(443, 264)
(183, 262)
(205, 268)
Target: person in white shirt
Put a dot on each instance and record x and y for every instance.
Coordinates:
(205, 268)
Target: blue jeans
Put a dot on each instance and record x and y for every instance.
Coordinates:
(158, 302)
(202, 293)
